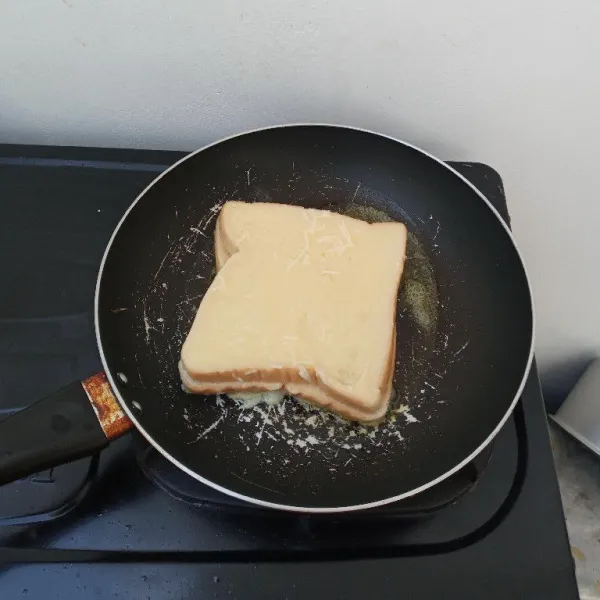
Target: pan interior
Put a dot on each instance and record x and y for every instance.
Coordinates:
(463, 331)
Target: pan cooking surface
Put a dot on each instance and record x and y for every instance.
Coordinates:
(463, 330)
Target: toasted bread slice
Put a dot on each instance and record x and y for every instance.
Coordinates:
(304, 300)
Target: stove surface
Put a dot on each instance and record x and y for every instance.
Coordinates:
(99, 528)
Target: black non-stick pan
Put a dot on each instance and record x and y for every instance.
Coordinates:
(464, 329)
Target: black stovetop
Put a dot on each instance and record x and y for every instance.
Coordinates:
(504, 538)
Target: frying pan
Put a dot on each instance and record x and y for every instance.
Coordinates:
(464, 329)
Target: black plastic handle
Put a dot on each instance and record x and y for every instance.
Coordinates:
(58, 429)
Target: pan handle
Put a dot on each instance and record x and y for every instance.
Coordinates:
(76, 421)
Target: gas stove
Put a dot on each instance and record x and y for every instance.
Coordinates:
(127, 524)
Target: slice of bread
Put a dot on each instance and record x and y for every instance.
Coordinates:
(304, 300)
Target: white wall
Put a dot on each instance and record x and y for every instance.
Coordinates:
(514, 84)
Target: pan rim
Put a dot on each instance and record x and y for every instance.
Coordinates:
(288, 507)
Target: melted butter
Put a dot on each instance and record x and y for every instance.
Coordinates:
(418, 286)
(251, 399)
(420, 290)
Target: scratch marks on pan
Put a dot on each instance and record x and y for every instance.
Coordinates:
(191, 300)
(461, 349)
(137, 367)
(210, 428)
(264, 487)
(155, 300)
(248, 177)
(294, 427)
(162, 262)
(212, 213)
(262, 429)
(165, 303)
(147, 327)
(355, 192)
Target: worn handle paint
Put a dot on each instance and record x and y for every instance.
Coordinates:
(112, 419)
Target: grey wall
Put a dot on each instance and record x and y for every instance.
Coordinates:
(515, 84)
